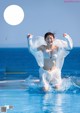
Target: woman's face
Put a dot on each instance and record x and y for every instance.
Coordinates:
(49, 39)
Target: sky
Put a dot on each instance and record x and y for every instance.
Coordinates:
(41, 16)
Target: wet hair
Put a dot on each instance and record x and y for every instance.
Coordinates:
(49, 33)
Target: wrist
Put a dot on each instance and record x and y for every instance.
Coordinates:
(29, 36)
(65, 35)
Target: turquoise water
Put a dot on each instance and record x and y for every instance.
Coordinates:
(25, 102)
(29, 98)
(17, 90)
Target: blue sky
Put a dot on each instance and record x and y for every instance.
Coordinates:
(40, 17)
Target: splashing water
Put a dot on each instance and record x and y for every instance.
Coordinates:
(69, 85)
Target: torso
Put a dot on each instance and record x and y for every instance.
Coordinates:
(50, 57)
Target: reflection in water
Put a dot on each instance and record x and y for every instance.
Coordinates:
(53, 103)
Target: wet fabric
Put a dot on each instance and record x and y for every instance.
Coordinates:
(64, 47)
(50, 78)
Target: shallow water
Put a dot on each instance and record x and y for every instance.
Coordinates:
(29, 98)
(26, 102)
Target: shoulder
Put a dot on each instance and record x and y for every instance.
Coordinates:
(56, 47)
(42, 47)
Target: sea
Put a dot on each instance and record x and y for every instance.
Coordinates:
(19, 63)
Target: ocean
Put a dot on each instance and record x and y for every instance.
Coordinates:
(18, 63)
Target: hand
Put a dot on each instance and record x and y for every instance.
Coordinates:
(29, 35)
(65, 35)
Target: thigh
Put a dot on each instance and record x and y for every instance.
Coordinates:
(56, 77)
(43, 77)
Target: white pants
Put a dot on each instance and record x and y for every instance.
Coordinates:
(50, 78)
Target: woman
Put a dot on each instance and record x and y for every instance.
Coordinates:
(51, 56)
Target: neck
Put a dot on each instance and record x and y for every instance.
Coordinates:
(49, 46)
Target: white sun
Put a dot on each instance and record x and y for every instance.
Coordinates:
(13, 15)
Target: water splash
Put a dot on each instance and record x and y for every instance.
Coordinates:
(69, 85)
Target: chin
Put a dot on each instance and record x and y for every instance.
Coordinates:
(51, 44)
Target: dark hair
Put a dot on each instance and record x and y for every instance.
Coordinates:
(49, 33)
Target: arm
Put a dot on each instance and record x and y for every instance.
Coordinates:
(63, 50)
(69, 42)
(35, 51)
(31, 44)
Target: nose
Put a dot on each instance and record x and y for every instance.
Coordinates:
(49, 39)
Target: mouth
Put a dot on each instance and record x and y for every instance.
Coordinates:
(50, 42)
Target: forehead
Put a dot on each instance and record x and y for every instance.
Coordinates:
(49, 36)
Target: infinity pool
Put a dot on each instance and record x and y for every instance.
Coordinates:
(23, 100)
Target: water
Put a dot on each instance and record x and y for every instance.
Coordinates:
(16, 65)
(24, 102)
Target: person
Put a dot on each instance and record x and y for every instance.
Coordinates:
(50, 57)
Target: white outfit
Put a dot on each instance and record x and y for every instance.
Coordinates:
(53, 77)
(64, 48)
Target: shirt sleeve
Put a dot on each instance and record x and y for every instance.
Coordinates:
(69, 42)
(64, 48)
(37, 54)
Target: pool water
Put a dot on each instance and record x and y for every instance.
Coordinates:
(32, 100)
(24, 102)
